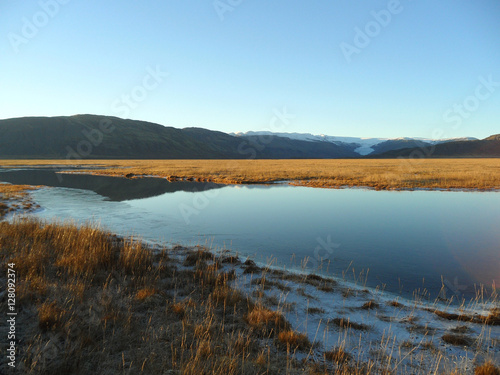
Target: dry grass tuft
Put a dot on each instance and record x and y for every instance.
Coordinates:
(267, 284)
(135, 259)
(195, 257)
(145, 293)
(370, 305)
(262, 358)
(50, 316)
(227, 296)
(457, 340)
(338, 355)
(178, 309)
(315, 310)
(294, 340)
(266, 321)
(493, 318)
(250, 267)
(487, 369)
(346, 324)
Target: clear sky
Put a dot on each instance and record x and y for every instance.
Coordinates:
(416, 68)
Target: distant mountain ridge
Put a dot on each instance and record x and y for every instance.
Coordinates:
(479, 148)
(105, 137)
(362, 146)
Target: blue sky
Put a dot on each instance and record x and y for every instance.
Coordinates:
(420, 68)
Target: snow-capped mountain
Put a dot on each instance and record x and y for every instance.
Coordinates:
(361, 146)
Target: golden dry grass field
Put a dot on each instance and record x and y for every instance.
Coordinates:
(375, 173)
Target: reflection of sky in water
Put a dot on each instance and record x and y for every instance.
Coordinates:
(403, 238)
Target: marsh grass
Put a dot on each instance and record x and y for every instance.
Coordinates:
(379, 174)
(487, 369)
(345, 323)
(493, 317)
(14, 198)
(457, 340)
(93, 302)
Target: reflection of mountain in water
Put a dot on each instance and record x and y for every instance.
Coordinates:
(114, 188)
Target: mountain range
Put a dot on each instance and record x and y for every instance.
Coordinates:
(105, 137)
(361, 146)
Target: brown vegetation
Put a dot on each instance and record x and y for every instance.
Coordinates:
(457, 340)
(294, 340)
(375, 173)
(95, 303)
(370, 305)
(15, 197)
(346, 324)
(487, 369)
(338, 355)
(493, 318)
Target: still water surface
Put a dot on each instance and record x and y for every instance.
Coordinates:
(401, 241)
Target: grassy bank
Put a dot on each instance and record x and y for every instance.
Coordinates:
(375, 173)
(92, 302)
(89, 301)
(15, 198)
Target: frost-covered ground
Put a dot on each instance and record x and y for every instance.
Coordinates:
(375, 328)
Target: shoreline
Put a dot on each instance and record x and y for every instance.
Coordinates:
(341, 319)
(23, 203)
(310, 184)
(379, 174)
(425, 301)
(327, 317)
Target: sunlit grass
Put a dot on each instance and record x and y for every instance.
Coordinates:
(95, 303)
(15, 197)
(375, 173)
